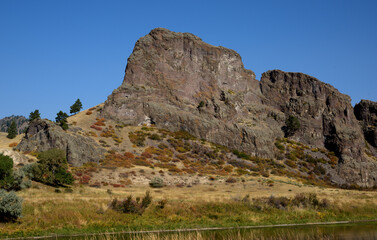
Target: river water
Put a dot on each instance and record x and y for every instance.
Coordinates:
(350, 231)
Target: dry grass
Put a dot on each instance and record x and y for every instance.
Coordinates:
(5, 142)
(86, 209)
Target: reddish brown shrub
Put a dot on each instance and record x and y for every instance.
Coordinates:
(146, 155)
(129, 155)
(96, 128)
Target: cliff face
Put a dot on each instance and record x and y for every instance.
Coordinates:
(178, 82)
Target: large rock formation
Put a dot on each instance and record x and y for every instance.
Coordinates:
(178, 82)
(42, 135)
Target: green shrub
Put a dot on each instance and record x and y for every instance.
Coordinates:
(10, 206)
(155, 137)
(9, 179)
(241, 154)
(292, 125)
(280, 146)
(51, 168)
(156, 182)
(6, 166)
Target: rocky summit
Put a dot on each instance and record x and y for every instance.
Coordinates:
(178, 82)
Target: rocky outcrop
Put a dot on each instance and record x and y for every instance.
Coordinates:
(326, 115)
(42, 135)
(366, 112)
(178, 82)
(327, 120)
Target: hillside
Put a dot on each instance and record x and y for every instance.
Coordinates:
(21, 123)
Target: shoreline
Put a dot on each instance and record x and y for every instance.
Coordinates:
(187, 230)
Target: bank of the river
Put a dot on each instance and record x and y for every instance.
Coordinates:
(74, 216)
(322, 230)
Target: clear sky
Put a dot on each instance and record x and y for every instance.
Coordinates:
(55, 51)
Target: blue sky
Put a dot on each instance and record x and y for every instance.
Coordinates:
(53, 52)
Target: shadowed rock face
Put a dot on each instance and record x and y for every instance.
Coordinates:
(44, 134)
(178, 82)
(366, 112)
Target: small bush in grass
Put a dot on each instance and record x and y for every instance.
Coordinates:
(100, 122)
(10, 206)
(231, 180)
(319, 170)
(156, 182)
(162, 203)
(265, 174)
(279, 146)
(13, 144)
(291, 163)
(137, 138)
(278, 202)
(129, 205)
(155, 136)
(129, 155)
(146, 155)
(96, 128)
(228, 168)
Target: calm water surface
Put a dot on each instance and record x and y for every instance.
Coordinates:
(355, 231)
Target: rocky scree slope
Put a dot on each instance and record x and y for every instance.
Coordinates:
(178, 82)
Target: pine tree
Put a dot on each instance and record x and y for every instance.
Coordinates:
(61, 118)
(34, 115)
(76, 107)
(12, 130)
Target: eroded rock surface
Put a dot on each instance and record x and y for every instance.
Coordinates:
(43, 135)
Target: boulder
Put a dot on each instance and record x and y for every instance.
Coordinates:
(43, 134)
